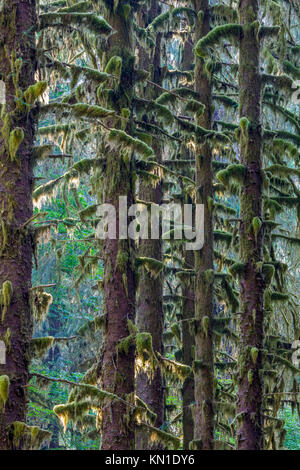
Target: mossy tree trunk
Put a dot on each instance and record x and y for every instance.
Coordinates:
(150, 315)
(204, 370)
(117, 368)
(188, 345)
(188, 304)
(17, 66)
(250, 432)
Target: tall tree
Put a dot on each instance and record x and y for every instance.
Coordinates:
(150, 316)
(250, 432)
(204, 268)
(117, 368)
(18, 64)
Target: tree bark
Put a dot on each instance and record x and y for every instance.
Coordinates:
(117, 368)
(204, 365)
(188, 345)
(250, 431)
(150, 317)
(17, 46)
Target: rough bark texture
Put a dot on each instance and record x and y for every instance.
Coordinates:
(150, 291)
(17, 41)
(204, 370)
(188, 304)
(250, 432)
(117, 374)
(188, 344)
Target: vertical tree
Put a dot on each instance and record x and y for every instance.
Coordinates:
(204, 269)
(18, 64)
(150, 290)
(117, 368)
(250, 432)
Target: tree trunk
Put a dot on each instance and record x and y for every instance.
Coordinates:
(250, 432)
(188, 344)
(204, 367)
(150, 317)
(117, 368)
(188, 302)
(17, 66)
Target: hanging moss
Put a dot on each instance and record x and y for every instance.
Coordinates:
(237, 269)
(291, 69)
(168, 440)
(225, 13)
(160, 111)
(235, 172)
(42, 152)
(31, 437)
(92, 325)
(91, 111)
(226, 100)
(16, 137)
(175, 370)
(4, 390)
(256, 226)
(254, 354)
(159, 21)
(40, 302)
(94, 23)
(143, 412)
(76, 7)
(154, 266)
(279, 297)
(232, 31)
(39, 346)
(195, 107)
(6, 296)
(147, 360)
(120, 139)
(268, 271)
(33, 92)
(222, 236)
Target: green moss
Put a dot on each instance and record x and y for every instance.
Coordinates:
(153, 266)
(16, 137)
(279, 297)
(34, 92)
(256, 226)
(39, 346)
(114, 66)
(168, 440)
(291, 69)
(92, 326)
(250, 376)
(40, 302)
(268, 271)
(6, 296)
(235, 172)
(232, 31)
(94, 23)
(237, 269)
(91, 111)
(205, 325)
(175, 370)
(159, 21)
(120, 140)
(30, 437)
(195, 107)
(254, 354)
(4, 390)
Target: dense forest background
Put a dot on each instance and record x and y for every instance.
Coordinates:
(146, 345)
